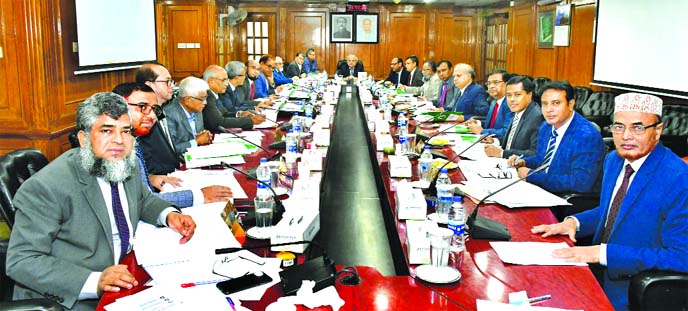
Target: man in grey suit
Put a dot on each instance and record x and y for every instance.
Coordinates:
(75, 218)
(295, 68)
(185, 116)
(522, 134)
(415, 74)
(215, 114)
(446, 89)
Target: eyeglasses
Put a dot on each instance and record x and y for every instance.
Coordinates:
(143, 107)
(225, 80)
(636, 129)
(394, 64)
(490, 83)
(169, 82)
(200, 99)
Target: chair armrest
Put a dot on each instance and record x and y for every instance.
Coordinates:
(658, 290)
(31, 305)
(579, 202)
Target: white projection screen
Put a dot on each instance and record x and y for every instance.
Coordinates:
(114, 34)
(642, 45)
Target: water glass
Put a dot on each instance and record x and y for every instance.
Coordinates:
(440, 239)
(264, 209)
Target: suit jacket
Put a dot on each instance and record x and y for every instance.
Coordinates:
(263, 88)
(62, 231)
(157, 152)
(447, 105)
(392, 77)
(280, 78)
(651, 229)
(213, 117)
(429, 89)
(310, 66)
(526, 136)
(293, 70)
(182, 198)
(344, 70)
(577, 162)
(502, 122)
(179, 127)
(243, 93)
(472, 102)
(416, 79)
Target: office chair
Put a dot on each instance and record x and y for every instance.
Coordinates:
(581, 94)
(658, 290)
(539, 84)
(675, 132)
(599, 108)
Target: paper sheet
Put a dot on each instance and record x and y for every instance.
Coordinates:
(521, 194)
(538, 253)
(270, 116)
(197, 179)
(486, 305)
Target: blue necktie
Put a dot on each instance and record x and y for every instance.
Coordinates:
(550, 148)
(144, 173)
(192, 123)
(120, 220)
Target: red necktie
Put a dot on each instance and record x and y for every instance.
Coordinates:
(494, 115)
(616, 204)
(253, 91)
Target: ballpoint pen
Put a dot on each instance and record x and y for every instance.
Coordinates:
(520, 157)
(192, 284)
(231, 303)
(532, 300)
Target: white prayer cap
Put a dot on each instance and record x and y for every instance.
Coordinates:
(637, 102)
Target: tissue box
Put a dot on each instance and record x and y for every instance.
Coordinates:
(411, 204)
(399, 167)
(303, 227)
(417, 244)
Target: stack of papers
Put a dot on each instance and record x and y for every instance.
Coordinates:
(539, 253)
(521, 194)
(215, 154)
(197, 179)
(270, 115)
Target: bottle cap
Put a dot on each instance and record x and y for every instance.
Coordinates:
(458, 199)
(263, 160)
(443, 171)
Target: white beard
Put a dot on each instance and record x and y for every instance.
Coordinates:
(110, 171)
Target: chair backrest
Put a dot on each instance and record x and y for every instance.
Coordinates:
(675, 132)
(15, 168)
(599, 108)
(581, 94)
(539, 84)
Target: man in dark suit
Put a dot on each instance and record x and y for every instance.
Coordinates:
(521, 135)
(214, 112)
(350, 68)
(499, 115)
(75, 218)
(469, 97)
(295, 68)
(157, 148)
(446, 89)
(185, 116)
(415, 74)
(398, 74)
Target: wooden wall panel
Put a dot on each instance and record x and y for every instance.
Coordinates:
(521, 40)
(577, 60)
(307, 29)
(11, 110)
(403, 29)
(455, 39)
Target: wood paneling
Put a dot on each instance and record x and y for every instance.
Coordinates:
(402, 29)
(577, 60)
(455, 39)
(11, 110)
(307, 29)
(522, 40)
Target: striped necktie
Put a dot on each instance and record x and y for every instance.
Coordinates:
(120, 220)
(616, 204)
(550, 148)
(512, 132)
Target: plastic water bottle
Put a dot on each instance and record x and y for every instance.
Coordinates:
(387, 110)
(296, 122)
(292, 141)
(444, 196)
(457, 223)
(424, 165)
(402, 124)
(263, 174)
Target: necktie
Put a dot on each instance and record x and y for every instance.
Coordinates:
(616, 204)
(398, 78)
(493, 118)
(252, 95)
(549, 154)
(139, 154)
(120, 220)
(444, 93)
(410, 80)
(351, 72)
(192, 123)
(512, 131)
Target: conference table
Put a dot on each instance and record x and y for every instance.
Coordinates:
(484, 275)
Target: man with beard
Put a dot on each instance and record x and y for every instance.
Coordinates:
(248, 91)
(75, 218)
(278, 73)
(140, 99)
(431, 83)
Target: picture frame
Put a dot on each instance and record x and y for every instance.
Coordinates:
(546, 29)
(367, 28)
(342, 27)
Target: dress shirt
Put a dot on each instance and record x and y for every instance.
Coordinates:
(192, 124)
(560, 133)
(514, 128)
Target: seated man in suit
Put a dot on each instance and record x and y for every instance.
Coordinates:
(310, 64)
(140, 101)
(398, 74)
(157, 147)
(446, 88)
(185, 116)
(215, 115)
(245, 89)
(351, 68)
(75, 218)
(567, 142)
(522, 133)
(499, 115)
(295, 68)
(278, 73)
(469, 97)
(431, 83)
(643, 189)
(415, 74)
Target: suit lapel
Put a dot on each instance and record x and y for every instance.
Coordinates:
(132, 193)
(183, 118)
(95, 199)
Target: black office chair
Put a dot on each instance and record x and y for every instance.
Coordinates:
(539, 84)
(675, 133)
(15, 168)
(599, 108)
(343, 61)
(658, 290)
(581, 95)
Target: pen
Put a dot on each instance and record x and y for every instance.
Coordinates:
(520, 157)
(187, 285)
(539, 298)
(231, 303)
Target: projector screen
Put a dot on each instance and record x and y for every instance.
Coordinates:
(642, 45)
(114, 34)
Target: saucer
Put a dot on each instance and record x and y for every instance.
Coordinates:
(254, 233)
(438, 275)
(433, 217)
(280, 191)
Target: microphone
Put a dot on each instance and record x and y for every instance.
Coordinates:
(321, 270)
(279, 207)
(425, 139)
(432, 188)
(271, 157)
(282, 126)
(483, 228)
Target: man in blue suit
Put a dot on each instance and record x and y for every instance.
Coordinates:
(469, 97)
(642, 220)
(140, 100)
(499, 115)
(278, 73)
(567, 142)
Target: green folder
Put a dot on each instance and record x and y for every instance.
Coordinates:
(443, 116)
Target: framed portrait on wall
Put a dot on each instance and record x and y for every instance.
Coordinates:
(342, 27)
(367, 26)
(545, 29)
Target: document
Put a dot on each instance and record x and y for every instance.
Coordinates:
(486, 305)
(270, 115)
(521, 194)
(487, 169)
(538, 253)
(197, 179)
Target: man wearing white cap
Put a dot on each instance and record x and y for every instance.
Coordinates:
(642, 220)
